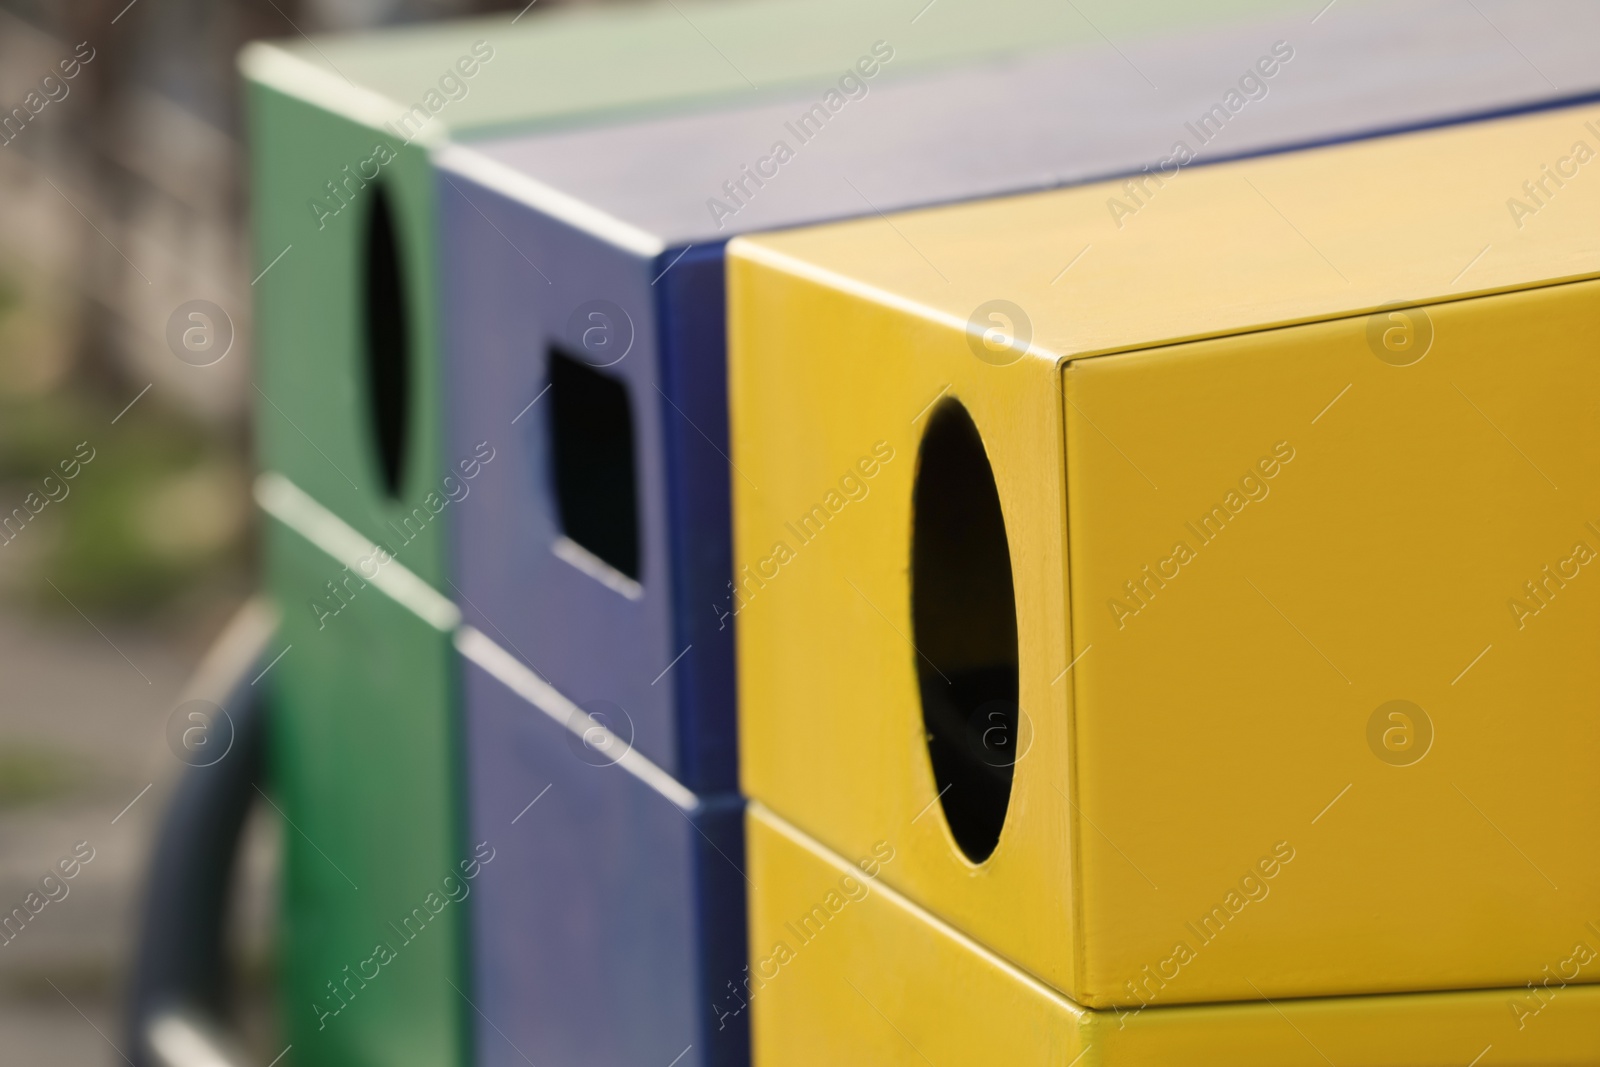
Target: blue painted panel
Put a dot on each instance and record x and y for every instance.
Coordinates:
(1067, 116)
(692, 311)
(609, 917)
(513, 280)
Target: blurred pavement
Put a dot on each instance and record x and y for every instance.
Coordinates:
(83, 734)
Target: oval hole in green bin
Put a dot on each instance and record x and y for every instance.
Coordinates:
(388, 343)
(964, 623)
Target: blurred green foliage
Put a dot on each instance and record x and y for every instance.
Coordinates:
(161, 510)
(30, 773)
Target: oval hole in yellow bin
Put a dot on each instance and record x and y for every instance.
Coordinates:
(964, 624)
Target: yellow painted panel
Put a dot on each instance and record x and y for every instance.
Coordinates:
(1218, 249)
(1227, 701)
(871, 978)
(831, 731)
(1206, 734)
(845, 972)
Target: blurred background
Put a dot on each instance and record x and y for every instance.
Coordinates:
(119, 201)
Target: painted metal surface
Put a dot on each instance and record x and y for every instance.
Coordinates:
(1194, 713)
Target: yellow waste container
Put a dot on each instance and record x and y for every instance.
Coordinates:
(1189, 577)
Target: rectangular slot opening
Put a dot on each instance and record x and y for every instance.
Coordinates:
(592, 460)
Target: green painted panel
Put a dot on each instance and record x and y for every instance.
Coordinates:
(362, 760)
(564, 65)
(313, 421)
